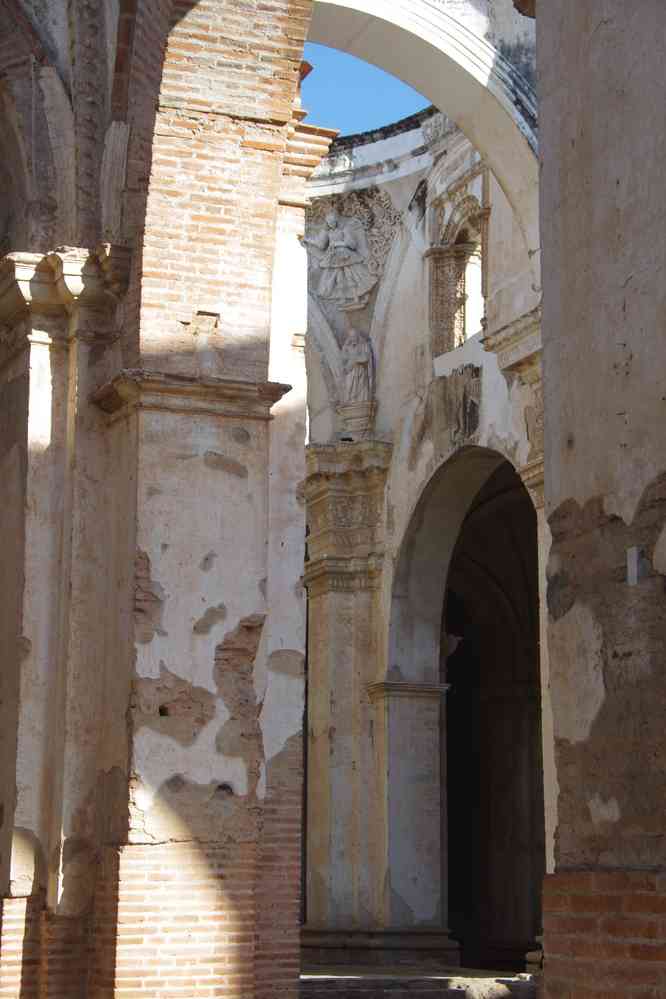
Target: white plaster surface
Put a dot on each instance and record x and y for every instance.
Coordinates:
(578, 690)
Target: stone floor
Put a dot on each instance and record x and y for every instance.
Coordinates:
(458, 983)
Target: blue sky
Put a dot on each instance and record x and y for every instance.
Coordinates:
(346, 93)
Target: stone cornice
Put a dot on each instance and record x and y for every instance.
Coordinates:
(158, 391)
(518, 344)
(383, 689)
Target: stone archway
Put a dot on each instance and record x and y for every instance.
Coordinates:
(461, 73)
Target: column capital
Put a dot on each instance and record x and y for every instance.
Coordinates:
(344, 490)
(58, 281)
(53, 285)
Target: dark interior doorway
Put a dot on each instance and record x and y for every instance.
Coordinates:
(494, 779)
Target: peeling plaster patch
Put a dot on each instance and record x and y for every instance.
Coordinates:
(241, 435)
(213, 459)
(659, 554)
(261, 785)
(603, 811)
(561, 595)
(206, 623)
(149, 600)
(207, 561)
(288, 661)
(234, 667)
(172, 706)
(578, 689)
(282, 711)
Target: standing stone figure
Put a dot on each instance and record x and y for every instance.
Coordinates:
(358, 366)
(340, 263)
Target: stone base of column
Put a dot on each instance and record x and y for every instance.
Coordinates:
(604, 934)
(424, 948)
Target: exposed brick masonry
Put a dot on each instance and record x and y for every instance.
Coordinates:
(605, 935)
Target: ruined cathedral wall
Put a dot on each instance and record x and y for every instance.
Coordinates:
(156, 633)
(418, 180)
(418, 210)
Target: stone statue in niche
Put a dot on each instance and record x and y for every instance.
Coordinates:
(462, 398)
(357, 410)
(358, 365)
(340, 255)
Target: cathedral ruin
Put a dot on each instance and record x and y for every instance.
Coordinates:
(331, 630)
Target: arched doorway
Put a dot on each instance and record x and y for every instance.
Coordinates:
(465, 612)
(493, 779)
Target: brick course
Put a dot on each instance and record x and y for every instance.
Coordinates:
(604, 935)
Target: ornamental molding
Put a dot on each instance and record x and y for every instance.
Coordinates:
(59, 281)
(156, 391)
(383, 689)
(342, 575)
(518, 345)
(40, 293)
(340, 458)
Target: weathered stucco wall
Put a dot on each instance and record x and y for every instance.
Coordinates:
(602, 206)
(401, 193)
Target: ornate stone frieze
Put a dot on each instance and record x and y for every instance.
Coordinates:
(344, 493)
(343, 575)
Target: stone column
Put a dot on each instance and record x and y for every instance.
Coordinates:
(58, 313)
(373, 747)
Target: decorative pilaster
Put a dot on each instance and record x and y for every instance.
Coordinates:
(448, 265)
(345, 510)
(57, 330)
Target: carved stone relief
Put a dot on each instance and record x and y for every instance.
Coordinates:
(348, 238)
(462, 403)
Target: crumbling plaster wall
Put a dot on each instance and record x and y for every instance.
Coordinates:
(605, 304)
